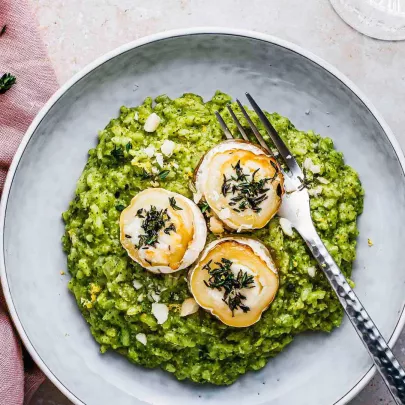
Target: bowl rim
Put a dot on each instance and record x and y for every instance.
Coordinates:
(362, 382)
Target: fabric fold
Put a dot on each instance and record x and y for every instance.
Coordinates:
(22, 54)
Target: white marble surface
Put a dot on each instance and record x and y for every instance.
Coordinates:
(78, 31)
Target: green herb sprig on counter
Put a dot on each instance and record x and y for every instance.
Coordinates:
(6, 82)
(222, 277)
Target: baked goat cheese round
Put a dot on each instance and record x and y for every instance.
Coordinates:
(163, 231)
(241, 183)
(235, 279)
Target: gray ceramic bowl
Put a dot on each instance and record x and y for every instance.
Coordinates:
(317, 369)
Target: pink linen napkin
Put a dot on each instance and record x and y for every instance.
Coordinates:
(22, 54)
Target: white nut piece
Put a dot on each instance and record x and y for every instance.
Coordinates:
(216, 226)
(159, 159)
(160, 312)
(167, 147)
(309, 165)
(141, 337)
(150, 151)
(311, 271)
(323, 180)
(315, 191)
(151, 123)
(189, 307)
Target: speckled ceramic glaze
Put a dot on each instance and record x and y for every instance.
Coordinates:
(317, 369)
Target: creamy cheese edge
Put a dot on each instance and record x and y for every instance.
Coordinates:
(134, 230)
(202, 171)
(258, 248)
(252, 294)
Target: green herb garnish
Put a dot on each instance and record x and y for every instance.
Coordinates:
(139, 213)
(170, 228)
(240, 176)
(203, 206)
(222, 277)
(226, 186)
(6, 82)
(117, 153)
(145, 175)
(163, 174)
(120, 207)
(154, 221)
(173, 203)
(249, 193)
(3, 30)
(128, 146)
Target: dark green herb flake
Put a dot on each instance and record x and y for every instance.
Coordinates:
(120, 207)
(163, 174)
(117, 153)
(204, 206)
(139, 213)
(154, 221)
(249, 193)
(145, 175)
(222, 277)
(173, 203)
(169, 229)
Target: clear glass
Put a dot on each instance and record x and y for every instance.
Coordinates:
(381, 19)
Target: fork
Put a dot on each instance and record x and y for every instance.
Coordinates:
(295, 208)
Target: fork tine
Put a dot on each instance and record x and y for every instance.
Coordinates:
(278, 142)
(254, 128)
(238, 124)
(224, 127)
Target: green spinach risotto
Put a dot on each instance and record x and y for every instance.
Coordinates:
(116, 295)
